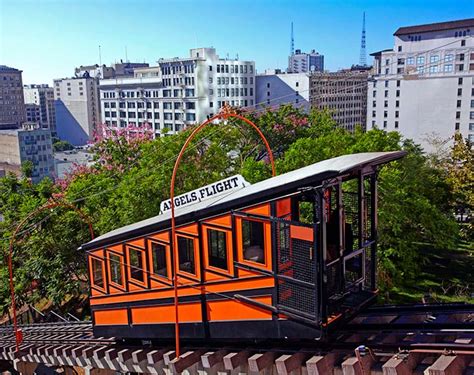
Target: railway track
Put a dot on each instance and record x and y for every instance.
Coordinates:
(434, 339)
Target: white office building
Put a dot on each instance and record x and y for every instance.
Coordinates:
(177, 92)
(275, 88)
(301, 62)
(39, 105)
(77, 108)
(424, 86)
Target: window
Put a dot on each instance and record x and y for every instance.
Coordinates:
(471, 127)
(217, 248)
(158, 253)
(458, 104)
(253, 241)
(459, 92)
(449, 57)
(471, 115)
(463, 42)
(399, 48)
(136, 264)
(434, 58)
(186, 255)
(397, 103)
(458, 115)
(420, 60)
(410, 61)
(97, 272)
(448, 68)
(116, 275)
(386, 83)
(472, 103)
(434, 69)
(456, 126)
(398, 83)
(396, 124)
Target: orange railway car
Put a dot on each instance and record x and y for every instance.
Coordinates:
(283, 258)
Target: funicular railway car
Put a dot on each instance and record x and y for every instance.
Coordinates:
(287, 257)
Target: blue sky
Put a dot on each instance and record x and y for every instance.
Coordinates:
(48, 38)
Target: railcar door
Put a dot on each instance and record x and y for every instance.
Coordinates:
(294, 248)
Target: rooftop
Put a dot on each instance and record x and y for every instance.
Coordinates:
(268, 189)
(4, 68)
(439, 26)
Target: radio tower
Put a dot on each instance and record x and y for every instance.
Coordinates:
(362, 58)
(292, 45)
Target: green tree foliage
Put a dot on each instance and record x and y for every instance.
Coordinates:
(132, 176)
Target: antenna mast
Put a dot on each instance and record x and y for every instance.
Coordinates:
(292, 45)
(363, 58)
(100, 57)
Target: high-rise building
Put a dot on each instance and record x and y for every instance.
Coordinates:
(301, 62)
(12, 106)
(77, 108)
(28, 143)
(274, 88)
(177, 92)
(344, 93)
(39, 104)
(424, 86)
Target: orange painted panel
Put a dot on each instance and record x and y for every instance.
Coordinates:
(263, 209)
(164, 236)
(225, 221)
(96, 293)
(301, 233)
(234, 310)
(189, 229)
(188, 312)
(138, 243)
(283, 207)
(111, 317)
(116, 248)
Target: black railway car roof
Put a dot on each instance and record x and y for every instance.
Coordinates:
(268, 189)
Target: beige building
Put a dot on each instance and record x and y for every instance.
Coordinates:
(29, 143)
(39, 104)
(77, 108)
(12, 107)
(344, 93)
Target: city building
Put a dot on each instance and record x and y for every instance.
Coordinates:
(12, 106)
(94, 71)
(28, 143)
(39, 105)
(66, 161)
(301, 62)
(77, 108)
(177, 92)
(424, 86)
(343, 93)
(275, 88)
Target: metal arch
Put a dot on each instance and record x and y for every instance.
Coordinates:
(225, 114)
(46, 206)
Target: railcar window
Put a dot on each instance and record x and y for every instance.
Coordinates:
(98, 272)
(253, 241)
(217, 248)
(159, 259)
(186, 255)
(116, 269)
(136, 264)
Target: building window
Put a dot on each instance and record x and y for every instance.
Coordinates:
(397, 93)
(97, 272)
(471, 115)
(420, 60)
(434, 69)
(471, 127)
(449, 57)
(137, 271)
(397, 114)
(158, 253)
(186, 255)
(398, 83)
(217, 248)
(385, 103)
(448, 68)
(386, 93)
(458, 104)
(385, 114)
(385, 124)
(456, 126)
(459, 92)
(463, 43)
(253, 241)
(434, 58)
(399, 48)
(460, 81)
(458, 115)
(116, 274)
(397, 103)
(386, 83)
(396, 124)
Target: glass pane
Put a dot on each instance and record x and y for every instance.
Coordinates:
(217, 248)
(97, 273)
(186, 254)
(159, 259)
(253, 241)
(136, 264)
(116, 269)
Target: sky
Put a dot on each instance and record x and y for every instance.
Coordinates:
(47, 39)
